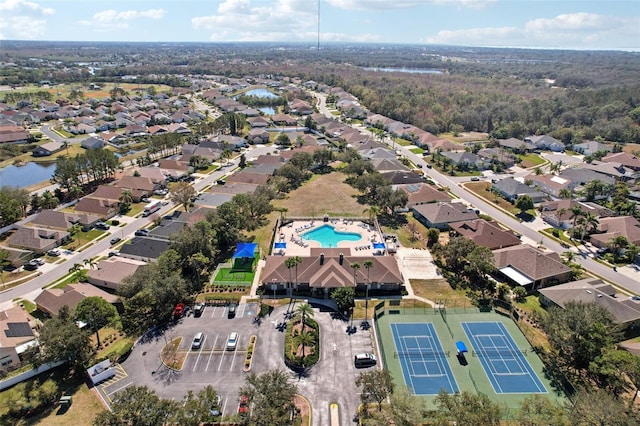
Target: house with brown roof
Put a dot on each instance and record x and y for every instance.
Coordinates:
(51, 300)
(551, 184)
(110, 272)
(440, 215)
(422, 193)
(629, 161)
(283, 120)
(102, 208)
(258, 122)
(37, 240)
(330, 268)
(300, 107)
(108, 193)
(612, 227)
(17, 257)
(558, 213)
(486, 234)
(62, 220)
(248, 177)
(16, 336)
(530, 267)
(258, 135)
(626, 311)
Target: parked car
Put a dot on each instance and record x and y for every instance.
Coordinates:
(216, 410)
(113, 253)
(231, 313)
(198, 309)
(103, 226)
(30, 266)
(161, 191)
(178, 311)
(475, 179)
(197, 340)
(115, 240)
(54, 252)
(232, 342)
(429, 166)
(38, 261)
(244, 404)
(142, 232)
(364, 360)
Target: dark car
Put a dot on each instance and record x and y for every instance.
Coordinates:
(232, 311)
(142, 232)
(30, 266)
(428, 166)
(115, 240)
(103, 226)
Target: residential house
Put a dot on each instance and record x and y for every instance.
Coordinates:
(511, 189)
(258, 135)
(442, 145)
(558, 213)
(17, 257)
(258, 122)
(37, 240)
(51, 300)
(612, 227)
(580, 176)
(109, 273)
(16, 336)
(382, 165)
(486, 234)
(400, 177)
(465, 160)
(248, 177)
(144, 249)
(283, 120)
(189, 150)
(212, 200)
(154, 173)
(330, 268)
(530, 267)
(545, 142)
(440, 215)
(517, 145)
(629, 161)
(591, 147)
(300, 107)
(47, 149)
(140, 187)
(54, 219)
(92, 143)
(422, 193)
(234, 143)
(105, 209)
(13, 134)
(617, 171)
(625, 311)
(551, 184)
(499, 156)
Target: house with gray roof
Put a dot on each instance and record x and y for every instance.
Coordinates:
(144, 249)
(422, 193)
(465, 159)
(440, 215)
(212, 200)
(545, 142)
(511, 189)
(530, 267)
(63, 220)
(626, 311)
(92, 142)
(591, 147)
(47, 149)
(109, 273)
(580, 176)
(37, 240)
(516, 145)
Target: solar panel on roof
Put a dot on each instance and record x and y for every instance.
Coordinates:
(18, 329)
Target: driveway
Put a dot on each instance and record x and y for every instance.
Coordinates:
(332, 380)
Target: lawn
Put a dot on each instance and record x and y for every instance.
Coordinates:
(136, 209)
(416, 150)
(439, 290)
(82, 238)
(228, 275)
(482, 190)
(531, 160)
(403, 231)
(402, 142)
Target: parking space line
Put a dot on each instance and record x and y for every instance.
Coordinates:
(213, 312)
(224, 406)
(199, 352)
(233, 360)
(211, 354)
(224, 309)
(242, 308)
(118, 390)
(221, 359)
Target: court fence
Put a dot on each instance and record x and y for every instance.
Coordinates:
(422, 354)
(494, 353)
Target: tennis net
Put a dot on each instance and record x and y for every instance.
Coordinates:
(422, 354)
(505, 353)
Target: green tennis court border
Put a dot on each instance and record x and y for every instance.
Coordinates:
(472, 377)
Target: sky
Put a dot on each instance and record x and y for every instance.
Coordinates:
(563, 24)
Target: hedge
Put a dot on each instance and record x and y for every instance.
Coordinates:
(298, 361)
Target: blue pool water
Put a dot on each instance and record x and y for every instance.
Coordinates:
(327, 236)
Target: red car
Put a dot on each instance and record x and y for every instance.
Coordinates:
(244, 404)
(179, 310)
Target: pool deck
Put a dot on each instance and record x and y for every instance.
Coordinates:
(296, 246)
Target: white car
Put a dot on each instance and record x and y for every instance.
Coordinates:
(232, 342)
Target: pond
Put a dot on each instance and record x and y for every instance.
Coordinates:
(267, 110)
(261, 93)
(27, 175)
(407, 70)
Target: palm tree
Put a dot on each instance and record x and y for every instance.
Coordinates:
(576, 212)
(75, 192)
(632, 252)
(76, 271)
(292, 262)
(305, 339)
(368, 264)
(49, 201)
(565, 193)
(355, 266)
(305, 310)
(568, 256)
(90, 262)
(616, 244)
(374, 212)
(126, 198)
(588, 222)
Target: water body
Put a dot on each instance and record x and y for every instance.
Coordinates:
(267, 110)
(261, 93)
(327, 236)
(26, 175)
(407, 70)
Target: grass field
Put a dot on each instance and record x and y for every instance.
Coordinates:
(480, 189)
(65, 89)
(229, 275)
(531, 160)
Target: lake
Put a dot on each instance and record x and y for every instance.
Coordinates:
(26, 175)
(407, 70)
(260, 93)
(267, 110)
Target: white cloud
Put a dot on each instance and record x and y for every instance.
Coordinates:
(377, 5)
(23, 20)
(111, 19)
(578, 31)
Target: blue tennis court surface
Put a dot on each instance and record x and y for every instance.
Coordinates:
(424, 363)
(504, 363)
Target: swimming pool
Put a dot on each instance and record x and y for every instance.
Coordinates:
(327, 236)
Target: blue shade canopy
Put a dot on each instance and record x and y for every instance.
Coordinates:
(280, 245)
(245, 250)
(462, 348)
(378, 245)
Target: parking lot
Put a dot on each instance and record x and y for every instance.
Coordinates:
(331, 380)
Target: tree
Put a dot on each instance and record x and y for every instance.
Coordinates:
(599, 407)
(283, 139)
(576, 213)
(524, 203)
(356, 267)
(139, 406)
(479, 265)
(368, 264)
(202, 408)
(433, 235)
(613, 369)
(305, 310)
(293, 262)
(304, 339)
(565, 194)
(617, 244)
(61, 339)
(456, 252)
(243, 161)
(126, 198)
(376, 386)
(4, 256)
(96, 313)
(182, 193)
(49, 201)
(632, 251)
(580, 332)
(78, 272)
(589, 223)
(466, 408)
(538, 410)
(270, 396)
(406, 408)
(343, 297)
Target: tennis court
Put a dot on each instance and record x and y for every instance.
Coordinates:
(424, 363)
(503, 362)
